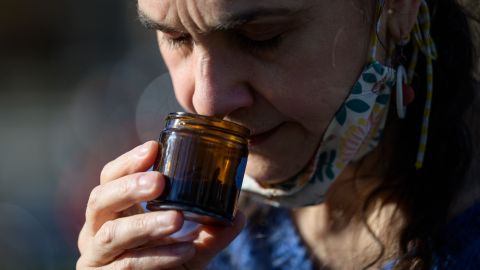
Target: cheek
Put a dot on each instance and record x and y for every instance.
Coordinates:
(309, 87)
(310, 94)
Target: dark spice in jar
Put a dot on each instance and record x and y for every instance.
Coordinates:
(204, 160)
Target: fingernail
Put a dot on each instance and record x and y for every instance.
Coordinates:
(145, 182)
(182, 248)
(143, 150)
(165, 218)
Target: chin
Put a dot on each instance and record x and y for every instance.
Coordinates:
(273, 170)
(264, 171)
(282, 155)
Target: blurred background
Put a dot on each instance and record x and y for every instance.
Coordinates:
(80, 83)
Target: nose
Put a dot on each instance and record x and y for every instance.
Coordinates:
(221, 82)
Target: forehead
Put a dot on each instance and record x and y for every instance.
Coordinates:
(210, 12)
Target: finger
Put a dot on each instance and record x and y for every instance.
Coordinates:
(84, 240)
(212, 239)
(116, 236)
(137, 160)
(85, 235)
(108, 200)
(155, 258)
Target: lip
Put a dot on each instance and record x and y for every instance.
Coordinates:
(259, 138)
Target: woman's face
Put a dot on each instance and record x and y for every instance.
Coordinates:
(279, 67)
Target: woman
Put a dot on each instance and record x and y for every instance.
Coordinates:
(323, 86)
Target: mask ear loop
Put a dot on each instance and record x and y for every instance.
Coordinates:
(374, 37)
(425, 44)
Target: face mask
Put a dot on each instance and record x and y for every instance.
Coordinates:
(357, 127)
(354, 131)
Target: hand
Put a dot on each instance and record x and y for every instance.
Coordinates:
(118, 234)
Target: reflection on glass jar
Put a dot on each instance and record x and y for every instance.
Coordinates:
(204, 160)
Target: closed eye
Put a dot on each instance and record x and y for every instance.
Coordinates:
(254, 43)
(259, 44)
(177, 40)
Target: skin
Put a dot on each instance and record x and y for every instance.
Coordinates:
(282, 73)
(282, 91)
(118, 235)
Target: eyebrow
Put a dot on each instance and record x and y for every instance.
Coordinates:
(230, 23)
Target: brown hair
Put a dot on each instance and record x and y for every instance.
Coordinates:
(426, 196)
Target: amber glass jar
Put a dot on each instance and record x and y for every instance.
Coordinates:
(204, 160)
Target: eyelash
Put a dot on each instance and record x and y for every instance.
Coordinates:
(178, 42)
(270, 44)
(248, 43)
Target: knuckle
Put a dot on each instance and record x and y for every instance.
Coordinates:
(81, 241)
(125, 263)
(105, 173)
(84, 264)
(79, 264)
(126, 186)
(93, 199)
(140, 224)
(106, 234)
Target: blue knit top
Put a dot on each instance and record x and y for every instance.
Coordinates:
(274, 243)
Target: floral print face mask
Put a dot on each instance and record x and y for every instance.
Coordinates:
(354, 131)
(357, 127)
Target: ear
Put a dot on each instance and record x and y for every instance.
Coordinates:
(402, 15)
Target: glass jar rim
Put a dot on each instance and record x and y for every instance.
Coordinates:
(197, 121)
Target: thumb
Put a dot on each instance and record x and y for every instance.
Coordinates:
(213, 239)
